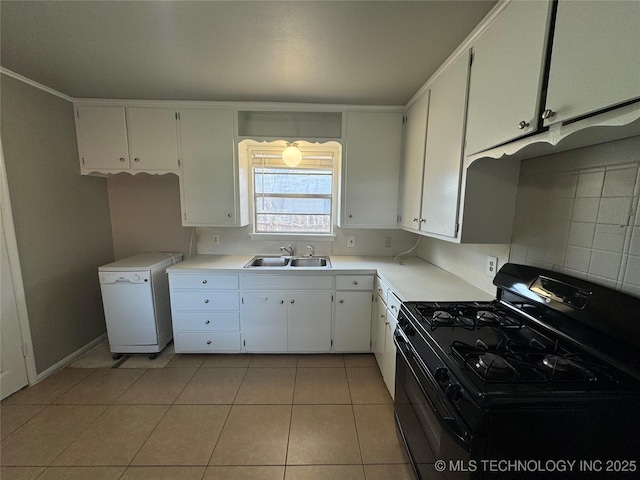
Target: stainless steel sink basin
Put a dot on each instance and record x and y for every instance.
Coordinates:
(267, 261)
(287, 262)
(311, 262)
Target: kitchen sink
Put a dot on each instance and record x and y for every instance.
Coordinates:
(268, 261)
(282, 262)
(311, 262)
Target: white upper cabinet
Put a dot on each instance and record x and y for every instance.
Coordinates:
(444, 147)
(102, 138)
(209, 174)
(372, 169)
(506, 75)
(153, 138)
(119, 139)
(415, 131)
(595, 58)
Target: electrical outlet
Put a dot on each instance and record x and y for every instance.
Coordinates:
(351, 242)
(387, 242)
(492, 266)
(215, 239)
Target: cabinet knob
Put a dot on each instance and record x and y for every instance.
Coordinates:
(208, 342)
(282, 301)
(204, 282)
(355, 282)
(415, 219)
(393, 307)
(121, 159)
(381, 316)
(422, 220)
(136, 159)
(386, 323)
(341, 301)
(548, 113)
(229, 215)
(206, 301)
(350, 216)
(522, 125)
(207, 322)
(293, 301)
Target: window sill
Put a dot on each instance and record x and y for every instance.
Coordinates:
(324, 237)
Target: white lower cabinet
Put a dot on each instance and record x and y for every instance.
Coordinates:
(295, 318)
(205, 309)
(352, 325)
(384, 324)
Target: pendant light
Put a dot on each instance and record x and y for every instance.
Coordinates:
(292, 155)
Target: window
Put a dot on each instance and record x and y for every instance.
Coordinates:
(293, 199)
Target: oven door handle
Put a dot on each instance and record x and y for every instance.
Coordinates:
(449, 422)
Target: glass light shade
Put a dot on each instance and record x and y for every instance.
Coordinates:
(292, 156)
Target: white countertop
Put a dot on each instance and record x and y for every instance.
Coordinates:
(415, 280)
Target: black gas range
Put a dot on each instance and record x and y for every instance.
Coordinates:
(543, 382)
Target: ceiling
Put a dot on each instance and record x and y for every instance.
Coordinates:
(356, 52)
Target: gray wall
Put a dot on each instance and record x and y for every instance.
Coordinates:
(62, 221)
(145, 214)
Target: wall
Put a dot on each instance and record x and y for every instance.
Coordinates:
(467, 261)
(145, 214)
(577, 212)
(61, 219)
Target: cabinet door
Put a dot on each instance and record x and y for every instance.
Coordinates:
(352, 328)
(153, 138)
(443, 156)
(208, 180)
(415, 134)
(388, 367)
(309, 326)
(378, 334)
(595, 59)
(265, 321)
(372, 169)
(506, 76)
(102, 138)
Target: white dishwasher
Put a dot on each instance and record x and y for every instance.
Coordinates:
(135, 296)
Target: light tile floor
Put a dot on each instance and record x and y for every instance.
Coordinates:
(206, 417)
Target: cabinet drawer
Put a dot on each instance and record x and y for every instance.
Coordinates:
(354, 282)
(207, 321)
(207, 300)
(204, 342)
(393, 304)
(381, 289)
(287, 282)
(204, 280)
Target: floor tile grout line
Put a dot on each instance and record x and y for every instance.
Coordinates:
(149, 435)
(355, 423)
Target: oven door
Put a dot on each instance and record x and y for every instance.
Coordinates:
(429, 429)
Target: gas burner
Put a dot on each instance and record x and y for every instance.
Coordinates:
(492, 362)
(440, 317)
(486, 317)
(556, 363)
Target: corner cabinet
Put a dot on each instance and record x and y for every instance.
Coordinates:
(595, 60)
(371, 170)
(209, 176)
(506, 75)
(119, 139)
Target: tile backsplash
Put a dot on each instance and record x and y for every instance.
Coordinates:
(577, 213)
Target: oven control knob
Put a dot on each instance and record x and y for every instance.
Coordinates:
(409, 330)
(441, 374)
(453, 392)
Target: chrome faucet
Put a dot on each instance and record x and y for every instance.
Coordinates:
(310, 248)
(289, 249)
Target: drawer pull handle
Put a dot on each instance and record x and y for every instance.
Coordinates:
(281, 302)
(293, 301)
(386, 323)
(341, 301)
(121, 159)
(207, 322)
(206, 301)
(355, 282)
(136, 159)
(208, 342)
(393, 307)
(204, 282)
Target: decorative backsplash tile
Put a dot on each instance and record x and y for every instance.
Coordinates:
(577, 212)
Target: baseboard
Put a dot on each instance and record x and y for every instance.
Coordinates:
(70, 358)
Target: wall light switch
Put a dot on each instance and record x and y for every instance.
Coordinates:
(351, 242)
(215, 239)
(492, 266)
